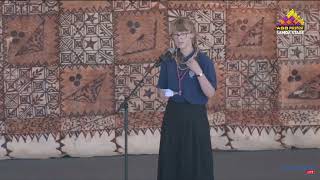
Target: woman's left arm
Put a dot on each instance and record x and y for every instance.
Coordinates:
(205, 84)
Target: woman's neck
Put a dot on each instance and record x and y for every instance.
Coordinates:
(186, 51)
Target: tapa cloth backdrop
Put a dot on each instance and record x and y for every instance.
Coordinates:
(65, 67)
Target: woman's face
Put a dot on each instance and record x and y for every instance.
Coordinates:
(183, 39)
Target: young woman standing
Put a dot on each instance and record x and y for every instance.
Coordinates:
(185, 151)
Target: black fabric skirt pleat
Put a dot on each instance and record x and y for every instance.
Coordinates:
(185, 148)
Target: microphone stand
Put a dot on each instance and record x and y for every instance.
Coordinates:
(124, 105)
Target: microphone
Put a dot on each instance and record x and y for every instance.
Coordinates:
(167, 55)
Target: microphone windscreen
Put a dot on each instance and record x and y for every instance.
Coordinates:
(172, 50)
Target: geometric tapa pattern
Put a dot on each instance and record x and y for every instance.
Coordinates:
(138, 5)
(299, 86)
(31, 92)
(250, 33)
(145, 33)
(144, 99)
(87, 91)
(86, 38)
(66, 66)
(210, 25)
(251, 91)
(35, 44)
(29, 7)
(301, 47)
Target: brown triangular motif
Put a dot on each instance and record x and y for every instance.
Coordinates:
(35, 43)
(308, 90)
(253, 37)
(90, 92)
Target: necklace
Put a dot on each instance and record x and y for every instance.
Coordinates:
(181, 65)
(180, 78)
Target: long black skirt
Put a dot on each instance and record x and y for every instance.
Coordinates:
(185, 148)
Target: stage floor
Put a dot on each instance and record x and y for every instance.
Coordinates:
(228, 165)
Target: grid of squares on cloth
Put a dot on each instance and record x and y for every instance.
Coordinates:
(66, 66)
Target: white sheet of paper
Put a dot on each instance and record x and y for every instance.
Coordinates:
(168, 92)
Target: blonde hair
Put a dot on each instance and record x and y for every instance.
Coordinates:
(182, 24)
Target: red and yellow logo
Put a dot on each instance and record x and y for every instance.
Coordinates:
(291, 22)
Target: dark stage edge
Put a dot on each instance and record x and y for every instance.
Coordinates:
(228, 165)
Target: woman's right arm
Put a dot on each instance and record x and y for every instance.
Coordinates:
(162, 81)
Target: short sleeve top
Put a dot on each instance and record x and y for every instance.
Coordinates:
(190, 86)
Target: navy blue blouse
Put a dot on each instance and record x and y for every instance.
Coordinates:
(190, 86)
